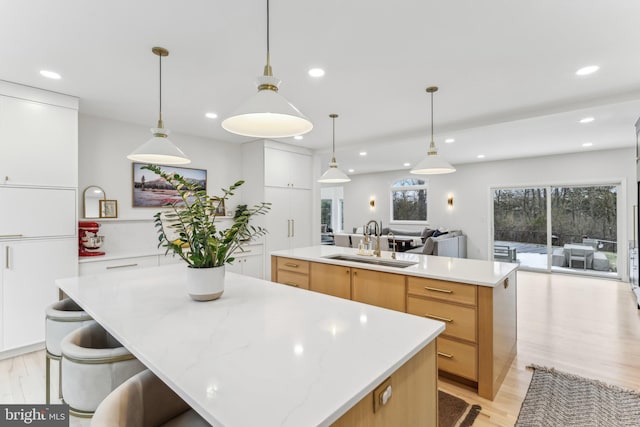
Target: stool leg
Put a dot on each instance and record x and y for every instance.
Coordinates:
(48, 380)
(60, 379)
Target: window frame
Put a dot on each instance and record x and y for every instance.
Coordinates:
(393, 188)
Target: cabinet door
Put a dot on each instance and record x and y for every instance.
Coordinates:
(287, 169)
(97, 266)
(40, 143)
(252, 266)
(29, 269)
(331, 280)
(37, 212)
(300, 218)
(381, 289)
(278, 220)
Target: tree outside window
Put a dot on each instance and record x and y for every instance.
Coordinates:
(409, 200)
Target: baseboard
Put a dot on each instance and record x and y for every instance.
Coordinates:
(7, 354)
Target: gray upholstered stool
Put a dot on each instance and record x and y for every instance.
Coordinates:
(62, 318)
(145, 401)
(93, 365)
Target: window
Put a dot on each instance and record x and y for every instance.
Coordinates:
(409, 200)
(331, 207)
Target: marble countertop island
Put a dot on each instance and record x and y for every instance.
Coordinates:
(263, 354)
(471, 271)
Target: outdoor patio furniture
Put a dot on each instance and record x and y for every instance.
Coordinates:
(504, 253)
(580, 253)
(600, 262)
(558, 258)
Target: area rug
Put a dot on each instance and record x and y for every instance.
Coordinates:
(455, 412)
(556, 398)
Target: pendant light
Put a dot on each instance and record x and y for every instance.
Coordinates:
(267, 114)
(433, 164)
(334, 175)
(159, 149)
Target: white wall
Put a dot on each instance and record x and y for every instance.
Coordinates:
(102, 149)
(470, 186)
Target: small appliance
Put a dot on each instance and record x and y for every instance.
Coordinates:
(89, 241)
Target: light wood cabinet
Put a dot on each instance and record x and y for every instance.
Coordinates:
(377, 288)
(331, 280)
(291, 272)
(414, 396)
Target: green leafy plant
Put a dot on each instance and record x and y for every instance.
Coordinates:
(189, 228)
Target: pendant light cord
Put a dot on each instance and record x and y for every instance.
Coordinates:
(160, 84)
(268, 67)
(334, 136)
(431, 116)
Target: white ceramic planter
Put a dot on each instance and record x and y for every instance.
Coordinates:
(205, 284)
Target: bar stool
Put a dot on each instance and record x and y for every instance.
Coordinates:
(94, 364)
(62, 318)
(145, 401)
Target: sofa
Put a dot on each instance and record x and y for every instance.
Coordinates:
(452, 244)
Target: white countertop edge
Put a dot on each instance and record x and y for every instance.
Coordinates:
(378, 380)
(292, 253)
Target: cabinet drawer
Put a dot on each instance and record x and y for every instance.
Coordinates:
(458, 358)
(441, 289)
(96, 267)
(293, 279)
(460, 321)
(295, 265)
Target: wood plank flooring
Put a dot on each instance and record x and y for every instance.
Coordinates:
(586, 326)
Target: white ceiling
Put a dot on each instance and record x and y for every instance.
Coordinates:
(505, 68)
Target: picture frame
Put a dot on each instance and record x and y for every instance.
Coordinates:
(108, 208)
(148, 190)
(220, 209)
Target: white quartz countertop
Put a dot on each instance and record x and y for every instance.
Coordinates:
(472, 271)
(264, 354)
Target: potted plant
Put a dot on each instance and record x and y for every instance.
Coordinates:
(189, 229)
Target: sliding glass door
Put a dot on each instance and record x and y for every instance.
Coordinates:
(520, 226)
(558, 228)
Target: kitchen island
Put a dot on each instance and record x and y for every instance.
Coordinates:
(475, 298)
(266, 354)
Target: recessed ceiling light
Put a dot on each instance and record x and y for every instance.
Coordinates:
(211, 116)
(316, 72)
(585, 71)
(406, 164)
(587, 144)
(363, 153)
(481, 156)
(50, 74)
(587, 120)
(449, 140)
(298, 137)
(352, 170)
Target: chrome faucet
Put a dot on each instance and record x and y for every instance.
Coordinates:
(377, 230)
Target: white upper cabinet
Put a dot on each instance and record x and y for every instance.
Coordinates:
(37, 212)
(286, 169)
(38, 143)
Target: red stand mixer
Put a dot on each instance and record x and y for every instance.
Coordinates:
(89, 241)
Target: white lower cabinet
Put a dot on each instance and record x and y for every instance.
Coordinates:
(250, 262)
(28, 274)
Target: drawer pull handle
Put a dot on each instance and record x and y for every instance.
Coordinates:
(11, 236)
(447, 355)
(290, 264)
(7, 258)
(246, 251)
(110, 267)
(291, 284)
(445, 291)
(444, 319)
(506, 283)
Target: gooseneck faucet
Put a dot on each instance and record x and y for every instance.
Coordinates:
(377, 230)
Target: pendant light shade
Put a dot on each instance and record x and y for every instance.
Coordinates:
(267, 114)
(433, 164)
(333, 175)
(159, 149)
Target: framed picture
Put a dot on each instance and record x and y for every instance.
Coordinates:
(220, 210)
(151, 191)
(108, 208)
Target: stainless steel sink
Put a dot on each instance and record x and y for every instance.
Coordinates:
(374, 261)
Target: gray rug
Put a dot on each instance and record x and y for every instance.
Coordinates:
(559, 399)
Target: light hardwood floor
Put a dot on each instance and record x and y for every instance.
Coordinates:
(586, 326)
